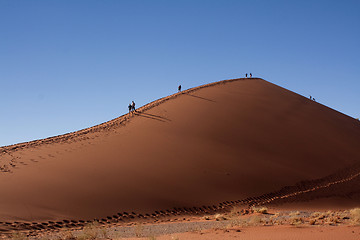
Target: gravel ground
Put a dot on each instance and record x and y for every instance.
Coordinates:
(146, 230)
(220, 221)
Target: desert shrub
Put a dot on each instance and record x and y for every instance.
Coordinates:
(355, 215)
(292, 214)
(333, 220)
(274, 219)
(260, 209)
(90, 232)
(296, 220)
(219, 217)
(315, 214)
(207, 217)
(312, 221)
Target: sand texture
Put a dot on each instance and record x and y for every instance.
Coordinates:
(237, 142)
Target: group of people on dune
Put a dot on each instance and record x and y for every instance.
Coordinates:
(246, 75)
(132, 104)
(132, 107)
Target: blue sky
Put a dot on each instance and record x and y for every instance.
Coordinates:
(69, 64)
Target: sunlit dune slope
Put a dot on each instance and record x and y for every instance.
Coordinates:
(223, 142)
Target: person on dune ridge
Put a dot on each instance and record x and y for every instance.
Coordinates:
(133, 106)
(130, 108)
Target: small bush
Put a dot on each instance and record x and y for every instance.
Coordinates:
(296, 220)
(219, 217)
(312, 221)
(90, 232)
(315, 214)
(262, 210)
(297, 213)
(355, 215)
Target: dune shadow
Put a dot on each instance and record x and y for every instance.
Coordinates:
(200, 97)
(150, 116)
(156, 116)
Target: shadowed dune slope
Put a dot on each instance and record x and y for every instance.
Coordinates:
(227, 141)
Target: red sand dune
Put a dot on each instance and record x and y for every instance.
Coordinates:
(217, 143)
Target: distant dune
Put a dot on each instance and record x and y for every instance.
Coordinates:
(241, 141)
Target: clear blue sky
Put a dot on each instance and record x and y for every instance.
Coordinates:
(69, 64)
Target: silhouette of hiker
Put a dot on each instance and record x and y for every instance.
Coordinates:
(310, 97)
(130, 108)
(245, 75)
(179, 88)
(133, 106)
(250, 75)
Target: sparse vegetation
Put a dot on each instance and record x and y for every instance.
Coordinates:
(355, 215)
(90, 232)
(260, 209)
(207, 217)
(220, 217)
(234, 218)
(296, 220)
(312, 221)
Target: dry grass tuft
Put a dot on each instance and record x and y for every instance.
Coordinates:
(355, 215)
(316, 214)
(90, 232)
(293, 214)
(260, 209)
(312, 221)
(220, 217)
(295, 218)
(207, 217)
